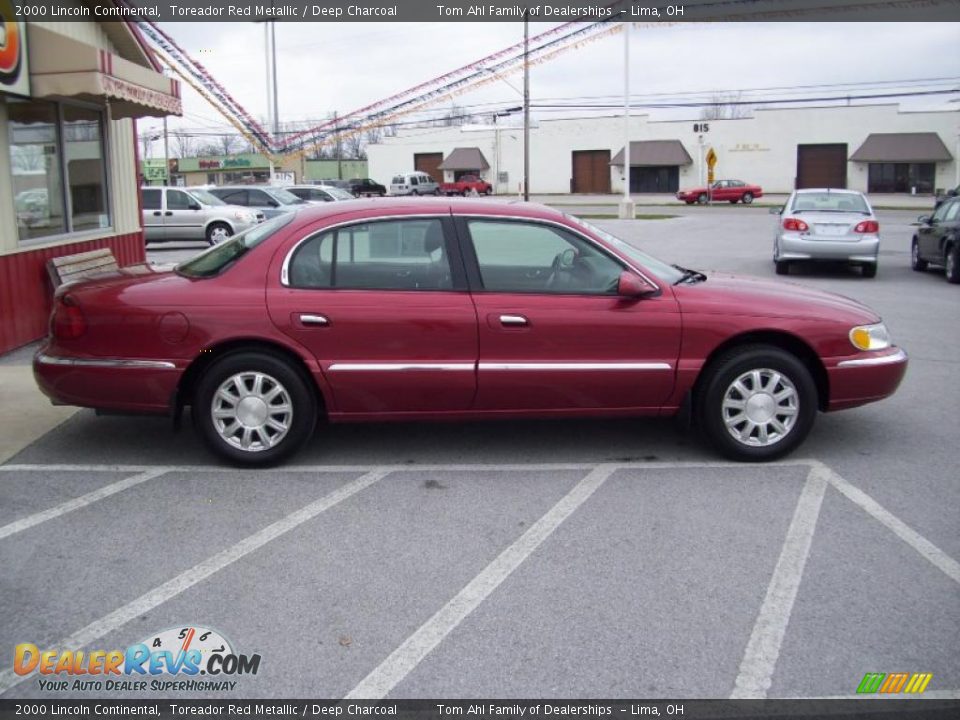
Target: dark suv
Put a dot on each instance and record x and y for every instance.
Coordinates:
(366, 186)
(937, 240)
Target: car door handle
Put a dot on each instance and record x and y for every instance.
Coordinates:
(157, 213)
(169, 212)
(308, 319)
(513, 320)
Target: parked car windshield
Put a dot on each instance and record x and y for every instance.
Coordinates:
(338, 193)
(219, 257)
(830, 202)
(285, 197)
(205, 197)
(666, 273)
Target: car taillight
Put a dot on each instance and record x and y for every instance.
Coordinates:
(68, 322)
(795, 224)
(867, 226)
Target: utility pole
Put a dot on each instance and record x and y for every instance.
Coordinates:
(166, 153)
(627, 208)
(526, 109)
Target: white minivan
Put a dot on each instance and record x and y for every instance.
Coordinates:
(415, 183)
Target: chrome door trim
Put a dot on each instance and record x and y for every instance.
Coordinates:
(313, 319)
(44, 359)
(898, 357)
(577, 366)
(392, 367)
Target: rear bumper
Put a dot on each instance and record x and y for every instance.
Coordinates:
(794, 246)
(861, 380)
(121, 384)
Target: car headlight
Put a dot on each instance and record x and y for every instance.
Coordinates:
(870, 337)
(245, 216)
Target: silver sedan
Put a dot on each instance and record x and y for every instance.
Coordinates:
(827, 225)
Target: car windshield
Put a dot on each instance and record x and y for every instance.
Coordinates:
(205, 197)
(339, 193)
(284, 197)
(830, 202)
(666, 273)
(219, 257)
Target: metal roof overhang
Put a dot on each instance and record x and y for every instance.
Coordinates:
(647, 153)
(902, 148)
(465, 159)
(61, 67)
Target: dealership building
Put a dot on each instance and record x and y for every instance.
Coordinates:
(870, 148)
(70, 93)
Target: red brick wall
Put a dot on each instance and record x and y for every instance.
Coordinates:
(25, 290)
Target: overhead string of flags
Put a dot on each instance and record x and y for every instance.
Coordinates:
(543, 47)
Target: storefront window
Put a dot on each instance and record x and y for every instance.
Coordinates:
(83, 150)
(58, 168)
(901, 177)
(35, 165)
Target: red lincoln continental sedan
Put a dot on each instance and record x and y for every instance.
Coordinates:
(456, 309)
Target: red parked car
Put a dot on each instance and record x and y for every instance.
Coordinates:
(456, 309)
(732, 191)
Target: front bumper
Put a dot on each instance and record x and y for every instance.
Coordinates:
(119, 384)
(866, 378)
(796, 246)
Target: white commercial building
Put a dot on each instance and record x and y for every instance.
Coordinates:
(871, 148)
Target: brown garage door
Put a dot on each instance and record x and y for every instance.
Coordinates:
(822, 166)
(591, 171)
(430, 164)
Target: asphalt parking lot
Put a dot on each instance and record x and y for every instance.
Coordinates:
(616, 559)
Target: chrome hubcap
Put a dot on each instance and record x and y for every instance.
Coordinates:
(219, 234)
(760, 407)
(252, 411)
(949, 264)
(914, 253)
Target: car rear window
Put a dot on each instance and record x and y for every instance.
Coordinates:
(219, 257)
(830, 202)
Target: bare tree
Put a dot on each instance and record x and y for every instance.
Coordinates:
(27, 158)
(184, 145)
(227, 143)
(146, 142)
(374, 135)
(353, 147)
(725, 106)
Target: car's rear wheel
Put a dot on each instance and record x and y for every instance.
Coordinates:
(951, 262)
(702, 198)
(218, 232)
(747, 198)
(254, 408)
(756, 403)
(869, 270)
(414, 192)
(916, 262)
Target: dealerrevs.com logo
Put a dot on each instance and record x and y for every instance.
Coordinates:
(184, 659)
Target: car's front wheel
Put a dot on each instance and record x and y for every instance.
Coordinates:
(756, 403)
(916, 262)
(254, 408)
(218, 232)
(702, 198)
(951, 263)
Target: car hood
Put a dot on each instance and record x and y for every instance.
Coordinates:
(744, 295)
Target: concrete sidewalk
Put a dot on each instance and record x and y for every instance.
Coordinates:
(27, 413)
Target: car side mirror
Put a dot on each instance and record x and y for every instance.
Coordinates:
(924, 219)
(193, 206)
(776, 211)
(273, 203)
(631, 285)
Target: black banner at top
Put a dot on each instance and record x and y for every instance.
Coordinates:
(639, 11)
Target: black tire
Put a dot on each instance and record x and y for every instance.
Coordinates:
(381, 193)
(240, 370)
(744, 365)
(917, 262)
(217, 232)
(733, 202)
(951, 262)
(702, 199)
(488, 191)
(414, 192)
(747, 198)
(869, 270)
(782, 267)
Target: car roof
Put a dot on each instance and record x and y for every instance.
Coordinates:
(804, 191)
(371, 209)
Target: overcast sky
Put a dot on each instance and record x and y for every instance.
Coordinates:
(325, 67)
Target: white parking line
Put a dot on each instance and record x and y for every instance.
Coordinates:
(185, 580)
(77, 503)
(763, 649)
(903, 531)
(405, 658)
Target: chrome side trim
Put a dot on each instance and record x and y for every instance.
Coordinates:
(898, 357)
(390, 367)
(106, 363)
(576, 366)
